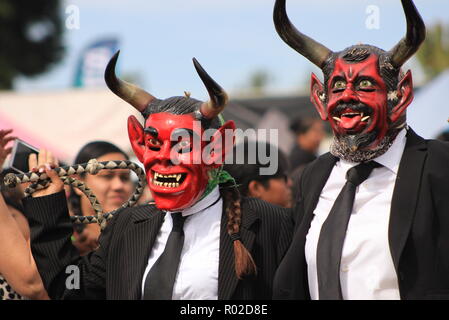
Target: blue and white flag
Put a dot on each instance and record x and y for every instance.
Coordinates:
(92, 63)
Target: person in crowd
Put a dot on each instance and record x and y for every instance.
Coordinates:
(375, 208)
(272, 186)
(199, 240)
(309, 132)
(111, 187)
(19, 277)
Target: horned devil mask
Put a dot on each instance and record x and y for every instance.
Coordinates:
(365, 94)
(171, 145)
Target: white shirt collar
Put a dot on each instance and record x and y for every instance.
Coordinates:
(202, 204)
(392, 157)
(389, 159)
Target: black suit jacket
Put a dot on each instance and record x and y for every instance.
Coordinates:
(418, 228)
(115, 270)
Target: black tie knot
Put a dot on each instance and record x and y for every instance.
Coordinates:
(356, 175)
(178, 221)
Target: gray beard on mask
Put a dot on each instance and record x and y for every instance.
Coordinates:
(342, 147)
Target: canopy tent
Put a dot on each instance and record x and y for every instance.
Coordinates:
(64, 121)
(429, 112)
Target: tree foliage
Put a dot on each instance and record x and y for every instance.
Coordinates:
(434, 52)
(259, 80)
(30, 38)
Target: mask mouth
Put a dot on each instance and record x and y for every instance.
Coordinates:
(168, 180)
(352, 119)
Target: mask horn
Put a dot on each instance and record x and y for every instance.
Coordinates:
(309, 48)
(416, 33)
(131, 93)
(218, 97)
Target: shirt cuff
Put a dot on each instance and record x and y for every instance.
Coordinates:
(47, 210)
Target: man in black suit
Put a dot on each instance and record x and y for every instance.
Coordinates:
(195, 242)
(375, 210)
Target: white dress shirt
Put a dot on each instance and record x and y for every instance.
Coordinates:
(197, 277)
(366, 270)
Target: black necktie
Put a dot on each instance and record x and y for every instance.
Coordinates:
(333, 232)
(161, 278)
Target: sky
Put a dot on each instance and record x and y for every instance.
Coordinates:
(231, 38)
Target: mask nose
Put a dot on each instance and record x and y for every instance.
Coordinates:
(349, 95)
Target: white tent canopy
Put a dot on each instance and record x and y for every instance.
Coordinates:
(64, 121)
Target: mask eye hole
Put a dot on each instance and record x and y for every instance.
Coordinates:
(154, 144)
(366, 85)
(339, 85)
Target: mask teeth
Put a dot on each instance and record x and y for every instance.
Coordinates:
(172, 184)
(166, 184)
(336, 119)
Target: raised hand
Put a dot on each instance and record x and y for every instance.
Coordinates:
(46, 162)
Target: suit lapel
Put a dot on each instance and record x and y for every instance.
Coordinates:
(405, 194)
(291, 277)
(140, 238)
(227, 279)
(314, 182)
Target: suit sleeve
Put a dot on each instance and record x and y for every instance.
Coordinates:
(285, 234)
(65, 274)
(288, 283)
(298, 208)
(439, 184)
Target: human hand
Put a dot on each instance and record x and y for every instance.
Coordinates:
(87, 240)
(46, 162)
(4, 139)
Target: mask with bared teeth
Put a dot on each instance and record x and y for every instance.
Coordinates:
(170, 144)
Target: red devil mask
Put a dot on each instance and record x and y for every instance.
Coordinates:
(358, 105)
(172, 145)
(362, 97)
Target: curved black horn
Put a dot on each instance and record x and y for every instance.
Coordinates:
(416, 33)
(218, 97)
(131, 93)
(309, 48)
